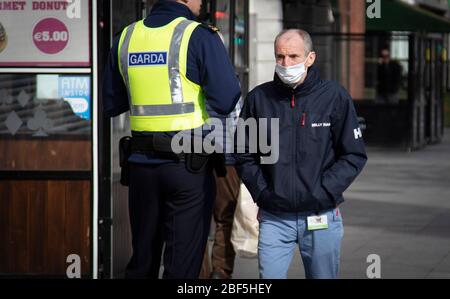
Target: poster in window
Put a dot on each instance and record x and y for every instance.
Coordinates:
(45, 33)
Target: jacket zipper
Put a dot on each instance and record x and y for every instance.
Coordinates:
(303, 119)
(294, 146)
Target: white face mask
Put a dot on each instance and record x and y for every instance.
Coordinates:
(291, 75)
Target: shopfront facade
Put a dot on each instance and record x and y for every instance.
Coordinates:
(48, 136)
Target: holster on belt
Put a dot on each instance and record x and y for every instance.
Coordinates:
(219, 164)
(124, 155)
(197, 163)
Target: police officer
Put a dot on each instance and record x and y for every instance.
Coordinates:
(162, 69)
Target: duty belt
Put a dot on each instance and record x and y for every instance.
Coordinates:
(156, 145)
(160, 146)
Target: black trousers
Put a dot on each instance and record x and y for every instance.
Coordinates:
(169, 205)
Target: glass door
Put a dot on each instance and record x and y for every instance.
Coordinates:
(231, 17)
(114, 230)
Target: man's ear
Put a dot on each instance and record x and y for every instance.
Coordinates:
(311, 59)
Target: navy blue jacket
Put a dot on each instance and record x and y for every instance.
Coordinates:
(208, 65)
(321, 150)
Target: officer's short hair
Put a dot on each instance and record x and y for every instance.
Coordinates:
(307, 41)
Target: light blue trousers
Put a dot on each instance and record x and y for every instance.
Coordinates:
(279, 235)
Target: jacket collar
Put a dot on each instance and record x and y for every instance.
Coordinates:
(171, 8)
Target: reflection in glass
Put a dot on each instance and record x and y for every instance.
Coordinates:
(47, 104)
(45, 122)
(239, 34)
(387, 70)
(223, 20)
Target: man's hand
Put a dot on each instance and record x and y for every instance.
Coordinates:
(268, 198)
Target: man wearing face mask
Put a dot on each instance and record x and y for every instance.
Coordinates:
(321, 152)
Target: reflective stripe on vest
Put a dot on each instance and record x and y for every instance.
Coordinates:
(156, 117)
(124, 60)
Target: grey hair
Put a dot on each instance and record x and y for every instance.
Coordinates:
(307, 41)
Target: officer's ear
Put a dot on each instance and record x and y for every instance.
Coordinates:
(310, 59)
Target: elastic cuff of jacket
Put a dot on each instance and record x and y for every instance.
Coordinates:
(116, 111)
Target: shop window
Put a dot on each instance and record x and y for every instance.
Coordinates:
(240, 40)
(222, 17)
(45, 122)
(387, 63)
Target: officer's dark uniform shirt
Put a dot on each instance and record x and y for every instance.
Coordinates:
(208, 65)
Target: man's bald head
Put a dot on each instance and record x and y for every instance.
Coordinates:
(291, 35)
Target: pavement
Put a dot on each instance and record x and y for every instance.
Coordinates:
(399, 209)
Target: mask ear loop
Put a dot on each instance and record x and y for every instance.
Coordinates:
(307, 56)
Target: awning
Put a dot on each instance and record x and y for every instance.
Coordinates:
(400, 16)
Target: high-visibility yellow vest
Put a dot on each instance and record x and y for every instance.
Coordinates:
(152, 62)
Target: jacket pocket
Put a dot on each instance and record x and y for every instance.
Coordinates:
(270, 201)
(325, 199)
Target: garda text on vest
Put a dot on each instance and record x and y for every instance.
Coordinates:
(147, 58)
